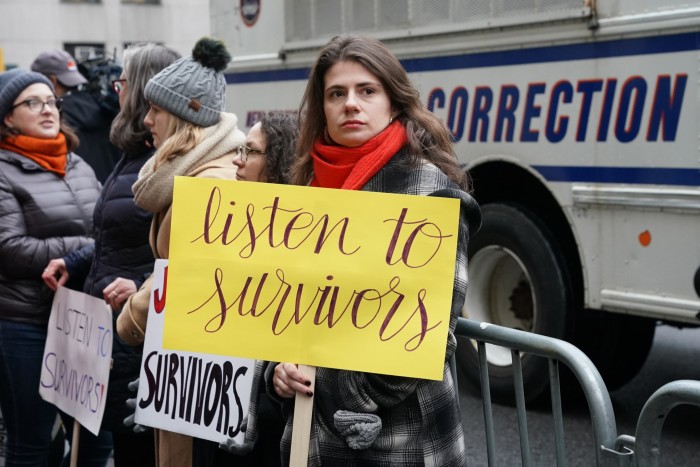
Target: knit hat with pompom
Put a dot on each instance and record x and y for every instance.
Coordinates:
(193, 88)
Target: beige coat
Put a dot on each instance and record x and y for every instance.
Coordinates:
(172, 449)
(211, 158)
(131, 323)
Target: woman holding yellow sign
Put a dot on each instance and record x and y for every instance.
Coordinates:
(365, 128)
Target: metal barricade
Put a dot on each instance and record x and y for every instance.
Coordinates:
(555, 350)
(646, 442)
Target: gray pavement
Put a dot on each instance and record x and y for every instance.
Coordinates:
(675, 355)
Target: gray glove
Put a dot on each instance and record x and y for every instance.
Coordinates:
(359, 429)
(234, 447)
(129, 421)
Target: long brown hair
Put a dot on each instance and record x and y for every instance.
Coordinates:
(428, 138)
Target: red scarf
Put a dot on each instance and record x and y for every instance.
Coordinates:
(350, 168)
(51, 154)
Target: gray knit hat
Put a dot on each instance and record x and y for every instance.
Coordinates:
(13, 82)
(193, 88)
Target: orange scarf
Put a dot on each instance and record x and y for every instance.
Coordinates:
(350, 168)
(51, 154)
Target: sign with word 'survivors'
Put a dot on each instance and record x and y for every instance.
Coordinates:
(205, 396)
(78, 356)
(331, 278)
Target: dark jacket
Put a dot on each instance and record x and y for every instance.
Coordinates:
(121, 229)
(421, 422)
(92, 123)
(121, 249)
(42, 216)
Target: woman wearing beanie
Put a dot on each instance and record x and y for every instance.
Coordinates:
(47, 195)
(121, 259)
(193, 137)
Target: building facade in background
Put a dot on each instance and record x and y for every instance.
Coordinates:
(89, 28)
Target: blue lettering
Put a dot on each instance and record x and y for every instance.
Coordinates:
(531, 111)
(436, 99)
(634, 92)
(666, 107)
(606, 110)
(587, 89)
(555, 129)
(483, 99)
(582, 104)
(458, 111)
(507, 104)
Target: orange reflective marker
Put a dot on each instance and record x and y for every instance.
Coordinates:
(645, 238)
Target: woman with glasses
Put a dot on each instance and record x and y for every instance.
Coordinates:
(121, 259)
(89, 111)
(266, 156)
(268, 152)
(47, 195)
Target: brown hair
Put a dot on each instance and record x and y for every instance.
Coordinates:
(280, 131)
(428, 137)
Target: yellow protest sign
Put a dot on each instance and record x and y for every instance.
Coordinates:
(331, 278)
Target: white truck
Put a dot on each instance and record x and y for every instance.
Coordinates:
(578, 122)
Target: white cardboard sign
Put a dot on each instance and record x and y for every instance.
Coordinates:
(200, 395)
(77, 357)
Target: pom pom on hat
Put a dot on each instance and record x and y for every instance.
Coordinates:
(211, 53)
(193, 88)
(13, 82)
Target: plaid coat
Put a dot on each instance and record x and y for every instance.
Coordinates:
(421, 422)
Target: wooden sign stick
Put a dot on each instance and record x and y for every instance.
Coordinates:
(74, 444)
(301, 431)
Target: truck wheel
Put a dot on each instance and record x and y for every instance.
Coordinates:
(618, 345)
(516, 279)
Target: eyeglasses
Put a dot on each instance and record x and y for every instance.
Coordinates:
(118, 85)
(244, 152)
(37, 105)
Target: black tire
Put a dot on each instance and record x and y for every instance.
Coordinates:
(618, 345)
(516, 279)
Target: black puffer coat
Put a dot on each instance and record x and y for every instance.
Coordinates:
(121, 250)
(42, 216)
(121, 230)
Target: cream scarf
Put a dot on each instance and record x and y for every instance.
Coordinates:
(153, 191)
